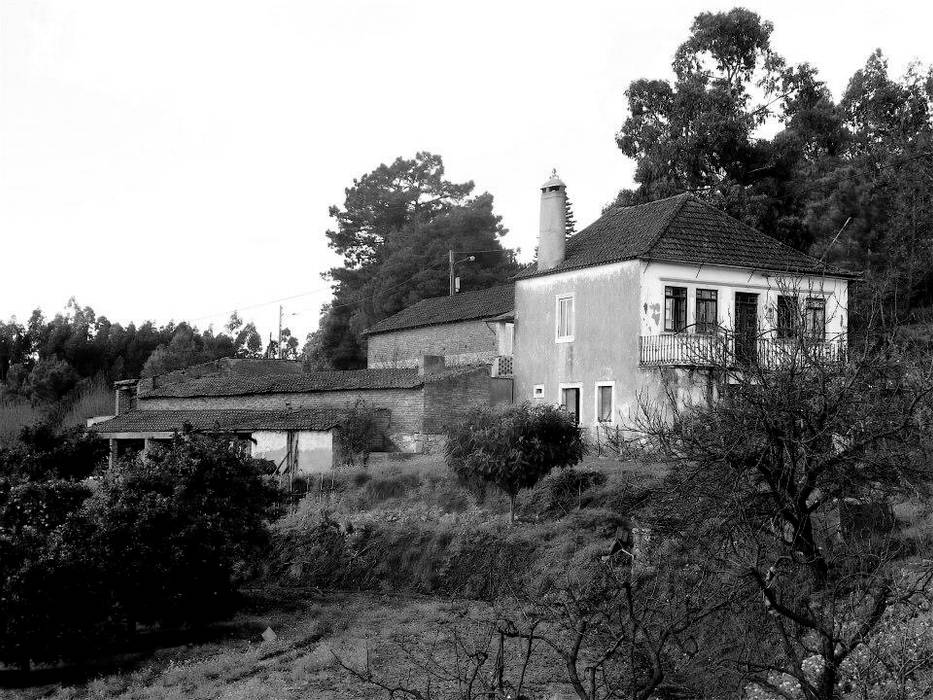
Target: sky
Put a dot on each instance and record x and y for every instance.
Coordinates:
(176, 159)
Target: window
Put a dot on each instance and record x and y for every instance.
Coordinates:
(815, 319)
(707, 311)
(788, 316)
(604, 402)
(565, 318)
(539, 391)
(570, 401)
(675, 309)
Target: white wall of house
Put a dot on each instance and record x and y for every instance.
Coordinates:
(315, 448)
(613, 307)
(727, 281)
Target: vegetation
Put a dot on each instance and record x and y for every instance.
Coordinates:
(513, 447)
(394, 232)
(159, 539)
(847, 180)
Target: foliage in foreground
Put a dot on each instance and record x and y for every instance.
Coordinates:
(513, 447)
(158, 540)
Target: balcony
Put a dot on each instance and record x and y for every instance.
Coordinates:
(502, 366)
(728, 349)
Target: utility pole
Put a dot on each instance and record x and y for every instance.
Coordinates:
(451, 258)
(278, 346)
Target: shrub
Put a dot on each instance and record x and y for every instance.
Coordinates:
(514, 446)
(358, 431)
(558, 494)
(173, 528)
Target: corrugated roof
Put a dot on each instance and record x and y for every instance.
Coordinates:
(143, 421)
(680, 229)
(466, 306)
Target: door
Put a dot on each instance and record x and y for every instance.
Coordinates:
(746, 328)
(570, 399)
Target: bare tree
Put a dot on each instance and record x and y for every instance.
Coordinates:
(794, 442)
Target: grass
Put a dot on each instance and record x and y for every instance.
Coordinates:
(313, 631)
(93, 398)
(14, 416)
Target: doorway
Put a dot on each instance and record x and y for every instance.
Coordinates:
(570, 400)
(746, 328)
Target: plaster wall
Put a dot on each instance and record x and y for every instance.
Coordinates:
(727, 281)
(605, 336)
(315, 449)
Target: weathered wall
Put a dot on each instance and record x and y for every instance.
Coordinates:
(605, 339)
(406, 406)
(469, 342)
(315, 448)
(448, 400)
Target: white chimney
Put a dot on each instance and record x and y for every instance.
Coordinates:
(552, 234)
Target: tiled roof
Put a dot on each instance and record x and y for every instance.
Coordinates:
(142, 421)
(351, 380)
(466, 306)
(680, 229)
(239, 384)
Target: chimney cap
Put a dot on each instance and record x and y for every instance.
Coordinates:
(553, 181)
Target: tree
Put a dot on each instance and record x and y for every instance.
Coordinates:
(513, 447)
(775, 466)
(394, 232)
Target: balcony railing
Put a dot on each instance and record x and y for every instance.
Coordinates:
(728, 349)
(502, 366)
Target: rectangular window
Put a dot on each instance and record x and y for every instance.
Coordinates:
(565, 318)
(707, 311)
(675, 309)
(539, 391)
(570, 401)
(788, 316)
(815, 319)
(604, 402)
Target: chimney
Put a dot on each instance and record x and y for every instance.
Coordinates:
(552, 234)
(430, 364)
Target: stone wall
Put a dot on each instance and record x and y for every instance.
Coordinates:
(406, 406)
(469, 342)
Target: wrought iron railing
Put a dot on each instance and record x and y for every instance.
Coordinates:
(502, 366)
(729, 349)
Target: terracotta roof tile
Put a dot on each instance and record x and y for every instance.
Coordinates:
(680, 229)
(467, 306)
(143, 421)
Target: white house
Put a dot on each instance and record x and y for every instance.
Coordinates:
(654, 295)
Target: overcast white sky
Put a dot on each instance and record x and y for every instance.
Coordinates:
(176, 159)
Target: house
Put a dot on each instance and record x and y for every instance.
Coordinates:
(292, 416)
(651, 298)
(466, 328)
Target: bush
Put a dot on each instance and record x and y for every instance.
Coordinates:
(172, 529)
(161, 540)
(513, 447)
(558, 494)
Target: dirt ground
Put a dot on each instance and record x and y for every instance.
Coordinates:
(401, 636)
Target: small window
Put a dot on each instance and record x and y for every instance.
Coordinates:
(815, 319)
(604, 402)
(539, 391)
(707, 311)
(675, 309)
(565, 318)
(788, 316)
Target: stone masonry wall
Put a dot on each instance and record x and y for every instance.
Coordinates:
(469, 342)
(447, 401)
(406, 406)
